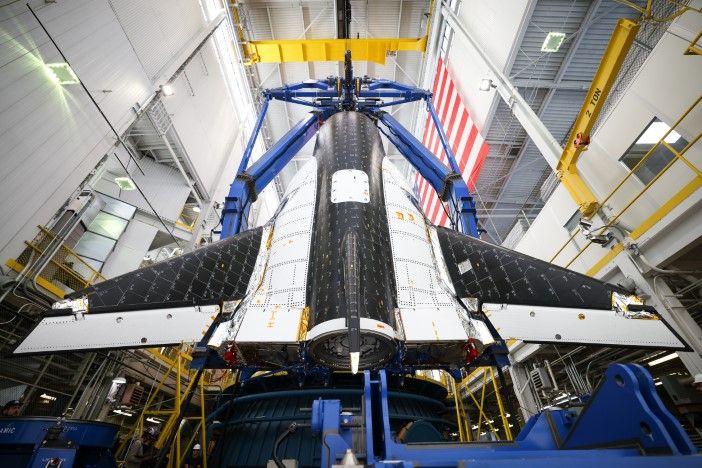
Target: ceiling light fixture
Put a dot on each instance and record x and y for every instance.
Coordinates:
(655, 362)
(167, 89)
(196, 209)
(47, 397)
(125, 183)
(62, 74)
(553, 41)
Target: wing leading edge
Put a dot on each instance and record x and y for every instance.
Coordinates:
(531, 300)
(166, 303)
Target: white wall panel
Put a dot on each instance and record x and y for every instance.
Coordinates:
(158, 29)
(665, 86)
(495, 26)
(163, 185)
(204, 116)
(130, 249)
(52, 136)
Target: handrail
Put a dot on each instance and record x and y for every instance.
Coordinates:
(672, 202)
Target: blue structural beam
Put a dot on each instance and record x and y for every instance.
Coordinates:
(447, 183)
(623, 424)
(249, 183)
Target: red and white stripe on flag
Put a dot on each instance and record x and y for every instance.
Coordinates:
(468, 146)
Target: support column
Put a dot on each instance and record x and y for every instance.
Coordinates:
(670, 308)
(528, 404)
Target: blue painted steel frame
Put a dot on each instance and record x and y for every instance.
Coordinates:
(623, 424)
(331, 96)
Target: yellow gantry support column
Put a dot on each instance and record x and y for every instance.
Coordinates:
(619, 44)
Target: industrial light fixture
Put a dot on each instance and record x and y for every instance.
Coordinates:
(196, 209)
(47, 397)
(553, 41)
(61, 73)
(655, 362)
(123, 413)
(154, 420)
(125, 183)
(167, 89)
(486, 84)
(119, 380)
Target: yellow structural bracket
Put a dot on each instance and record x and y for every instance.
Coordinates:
(619, 44)
(693, 48)
(330, 50)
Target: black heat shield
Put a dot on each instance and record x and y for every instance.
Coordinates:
(494, 274)
(215, 273)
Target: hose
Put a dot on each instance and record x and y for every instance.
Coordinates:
(276, 459)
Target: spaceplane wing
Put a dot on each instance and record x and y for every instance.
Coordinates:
(349, 274)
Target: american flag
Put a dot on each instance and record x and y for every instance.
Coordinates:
(468, 145)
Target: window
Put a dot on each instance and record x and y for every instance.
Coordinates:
(96, 244)
(661, 155)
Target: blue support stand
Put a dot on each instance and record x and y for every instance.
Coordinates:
(624, 424)
(36, 442)
(335, 95)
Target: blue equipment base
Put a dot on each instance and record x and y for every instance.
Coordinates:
(623, 424)
(35, 442)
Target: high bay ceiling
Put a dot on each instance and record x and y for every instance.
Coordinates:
(515, 180)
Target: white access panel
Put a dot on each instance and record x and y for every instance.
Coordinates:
(350, 185)
(272, 311)
(428, 308)
(132, 329)
(421, 325)
(585, 326)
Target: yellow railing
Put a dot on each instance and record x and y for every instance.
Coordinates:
(480, 404)
(177, 359)
(680, 196)
(65, 267)
(187, 219)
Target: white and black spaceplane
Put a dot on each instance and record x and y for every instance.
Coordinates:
(349, 274)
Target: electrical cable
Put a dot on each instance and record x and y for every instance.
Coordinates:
(276, 459)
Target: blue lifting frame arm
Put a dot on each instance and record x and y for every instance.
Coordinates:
(250, 182)
(348, 93)
(447, 183)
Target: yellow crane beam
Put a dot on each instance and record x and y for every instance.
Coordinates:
(330, 50)
(619, 44)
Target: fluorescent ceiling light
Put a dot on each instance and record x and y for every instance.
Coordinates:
(553, 41)
(167, 90)
(47, 397)
(153, 420)
(196, 209)
(655, 362)
(119, 380)
(125, 183)
(62, 74)
(655, 132)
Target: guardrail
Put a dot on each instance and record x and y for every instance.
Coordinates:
(65, 270)
(681, 195)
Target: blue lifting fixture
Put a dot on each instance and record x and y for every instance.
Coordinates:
(624, 423)
(336, 94)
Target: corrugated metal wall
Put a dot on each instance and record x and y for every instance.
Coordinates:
(51, 136)
(158, 29)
